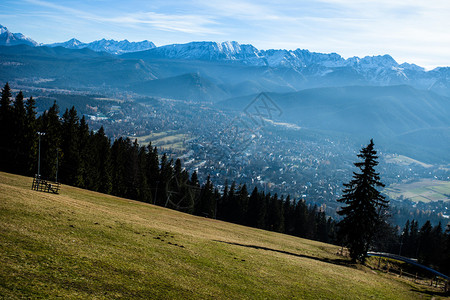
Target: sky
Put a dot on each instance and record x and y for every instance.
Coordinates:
(409, 30)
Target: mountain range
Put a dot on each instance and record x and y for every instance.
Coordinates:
(310, 69)
(402, 104)
(8, 38)
(104, 45)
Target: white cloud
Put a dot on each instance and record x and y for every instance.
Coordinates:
(185, 23)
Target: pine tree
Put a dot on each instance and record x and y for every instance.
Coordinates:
(30, 136)
(70, 148)
(18, 139)
(252, 211)
(87, 175)
(51, 142)
(425, 243)
(363, 206)
(6, 117)
(206, 205)
(103, 152)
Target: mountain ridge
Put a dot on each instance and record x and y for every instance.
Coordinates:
(7, 38)
(104, 45)
(312, 69)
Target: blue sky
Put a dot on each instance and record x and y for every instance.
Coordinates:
(409, 30)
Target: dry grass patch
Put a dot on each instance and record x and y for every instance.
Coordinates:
(82, 244)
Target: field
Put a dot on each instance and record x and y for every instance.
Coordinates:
(425, 190)
(164, 140)
(85, 245)
(404, 160)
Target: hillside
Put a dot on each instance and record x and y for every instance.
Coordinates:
(67, 68)
(82, 244)
(408, 121)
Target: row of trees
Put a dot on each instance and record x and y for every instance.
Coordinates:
(429, 244)
(74, 155)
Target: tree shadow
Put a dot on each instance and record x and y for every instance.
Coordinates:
(340, 262)
(430, 293)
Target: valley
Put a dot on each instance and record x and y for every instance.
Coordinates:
(200, 102)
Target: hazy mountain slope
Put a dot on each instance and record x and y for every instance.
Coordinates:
(398, 114)
(68, 68)
(189, 86)
(320, 69)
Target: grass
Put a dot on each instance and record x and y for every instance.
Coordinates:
(425, 190)
(404, 160)
(164, 140)
(82, 244)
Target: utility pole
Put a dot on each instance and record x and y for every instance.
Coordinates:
(39, 157)
(57, 154)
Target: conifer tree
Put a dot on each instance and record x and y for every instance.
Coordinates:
(206, 205)
(18, 140)
(29, 135)
(70, 148)
(363, 206)
(252, 211)
(87, 172)
(152, 171)
(103, 152)
(51, 142)
(6, 152)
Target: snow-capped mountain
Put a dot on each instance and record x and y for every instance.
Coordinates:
(306, 68)
(211, 51)
(250, 55)
(110, 46)
(70, 44)
(8, 38)
(378, 70)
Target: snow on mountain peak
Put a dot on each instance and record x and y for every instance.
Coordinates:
(3, 29)
(8, 38)
(110, 46)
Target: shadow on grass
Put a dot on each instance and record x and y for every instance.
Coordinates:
(430, 293)
(340, 262)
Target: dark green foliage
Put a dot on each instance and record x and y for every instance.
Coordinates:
(363, 206)
(206, 204)
(29, 137)
(50, 124)
(18, 140)
(6, 130)
(70, 148)
(254, 205)
(275, 218)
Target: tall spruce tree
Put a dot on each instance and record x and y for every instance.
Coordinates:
(364, 204)
(18, 138)
(50, 124)
(30, 135)
(6, 135)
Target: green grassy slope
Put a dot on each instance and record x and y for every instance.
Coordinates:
(82, 244)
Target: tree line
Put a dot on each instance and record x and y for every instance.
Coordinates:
(73, 154)
(429, 244)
